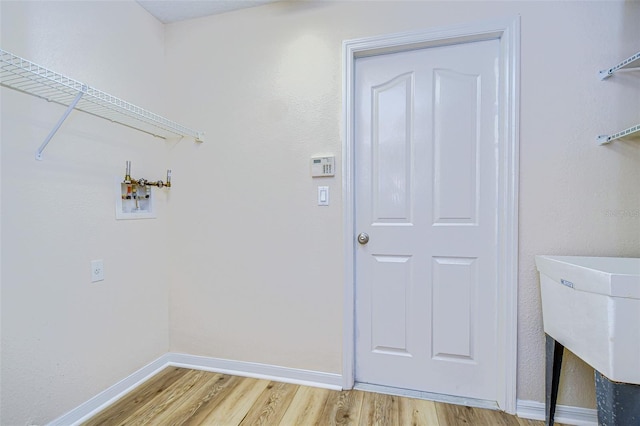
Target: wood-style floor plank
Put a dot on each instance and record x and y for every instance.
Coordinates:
(213, 387)
(379, 410)
(417, 412)
(122, 408)
(179, 396)
(342, 408)
(270, 407)
(166, 399)
(306, 407)
(143, 395)
(527, 422)
(235, 406)
(453, 415)
(210, 405)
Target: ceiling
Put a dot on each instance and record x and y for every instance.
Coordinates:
(168, 11)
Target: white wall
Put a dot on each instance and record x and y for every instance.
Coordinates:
(259, 276)
(252, 267)
(63, 338)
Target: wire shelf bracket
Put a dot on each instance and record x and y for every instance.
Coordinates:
(27, 77)
(629, 63)
(605, 139)
(57, 126)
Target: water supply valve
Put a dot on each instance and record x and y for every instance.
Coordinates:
(142, 182)
(136, 198)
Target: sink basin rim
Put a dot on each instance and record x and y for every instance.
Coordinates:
(611, 276)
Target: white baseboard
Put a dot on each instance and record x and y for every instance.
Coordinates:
(566, 414)
(258, 371)
(111, 394)
(238, 368)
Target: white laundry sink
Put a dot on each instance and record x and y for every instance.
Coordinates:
(591, 305)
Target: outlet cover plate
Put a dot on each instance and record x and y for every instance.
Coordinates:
(97, 270)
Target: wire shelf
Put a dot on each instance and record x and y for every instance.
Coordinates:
(27, 77)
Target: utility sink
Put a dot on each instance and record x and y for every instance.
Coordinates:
(591, 305)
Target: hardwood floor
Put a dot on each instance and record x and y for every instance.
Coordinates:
(179, 396)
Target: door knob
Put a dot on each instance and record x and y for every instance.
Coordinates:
(363, 238)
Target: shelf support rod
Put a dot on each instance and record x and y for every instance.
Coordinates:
(58, 124)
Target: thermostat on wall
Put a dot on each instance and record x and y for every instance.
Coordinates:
(323, 166)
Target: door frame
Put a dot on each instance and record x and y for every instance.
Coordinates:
(507, 31)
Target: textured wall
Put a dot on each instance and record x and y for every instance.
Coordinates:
(65, 339)
(260, 274)
(255, 268)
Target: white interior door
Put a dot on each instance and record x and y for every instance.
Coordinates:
(426, 184)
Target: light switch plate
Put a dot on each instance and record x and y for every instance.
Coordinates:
(323, 195)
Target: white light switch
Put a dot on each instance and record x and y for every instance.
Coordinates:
(323, 195)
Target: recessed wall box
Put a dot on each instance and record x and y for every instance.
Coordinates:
(134, 197)
(133, 202)
(323, 166)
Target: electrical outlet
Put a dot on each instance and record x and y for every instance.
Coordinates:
(97, 270)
